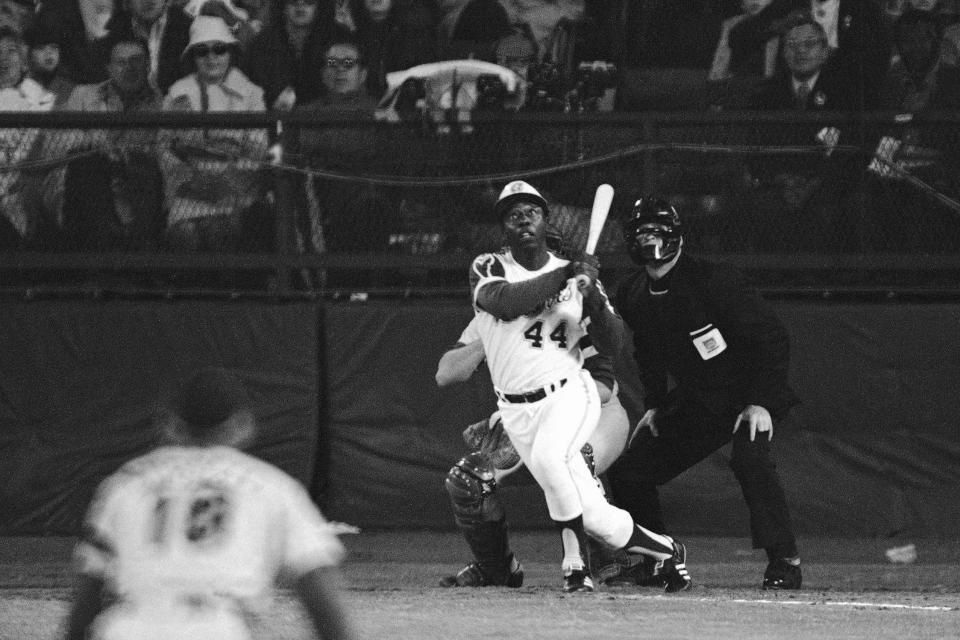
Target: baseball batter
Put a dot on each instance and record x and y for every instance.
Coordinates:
(531, 316)
(473, 482)
(188, 541)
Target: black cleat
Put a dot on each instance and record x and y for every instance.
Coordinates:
(674, 575)
(651, 572)
(577, 581)
(780, 574)
(474, 575)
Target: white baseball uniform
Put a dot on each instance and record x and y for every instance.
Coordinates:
(191, 540)
(548, 403)
(613, 426)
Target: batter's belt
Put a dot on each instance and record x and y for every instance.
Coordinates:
(531, 396)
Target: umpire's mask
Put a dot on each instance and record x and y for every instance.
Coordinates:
(653, 233)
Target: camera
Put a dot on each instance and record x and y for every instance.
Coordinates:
(491, 92)
(594, 85)
(546, 91)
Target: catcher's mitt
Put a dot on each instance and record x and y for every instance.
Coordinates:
(488, 437)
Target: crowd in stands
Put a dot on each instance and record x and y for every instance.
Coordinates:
(341, 56)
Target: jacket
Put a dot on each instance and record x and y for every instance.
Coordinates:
(718, 340)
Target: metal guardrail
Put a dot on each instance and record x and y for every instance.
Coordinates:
(636, 147)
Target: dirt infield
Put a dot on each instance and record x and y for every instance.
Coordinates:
(850, 591)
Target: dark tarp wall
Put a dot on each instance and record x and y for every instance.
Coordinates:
(873, 450)
(80, 383)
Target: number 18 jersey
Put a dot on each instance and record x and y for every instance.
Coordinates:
(536, 349)
(182, 527)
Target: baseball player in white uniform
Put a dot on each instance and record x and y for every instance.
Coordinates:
(188, 541)
(474, 481)
(531, 316)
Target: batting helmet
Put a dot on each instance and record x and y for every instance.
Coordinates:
(518, 190)
(653, 232)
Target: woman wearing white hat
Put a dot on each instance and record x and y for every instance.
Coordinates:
(211, 175)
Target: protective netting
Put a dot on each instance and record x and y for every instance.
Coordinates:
(309, 203)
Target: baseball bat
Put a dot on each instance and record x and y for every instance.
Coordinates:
(602, 200)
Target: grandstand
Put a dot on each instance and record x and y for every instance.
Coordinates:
(345, 277)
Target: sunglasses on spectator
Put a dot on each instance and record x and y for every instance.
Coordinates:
(202, 51)
(341, 63)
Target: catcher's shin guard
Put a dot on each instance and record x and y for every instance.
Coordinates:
(481, 519)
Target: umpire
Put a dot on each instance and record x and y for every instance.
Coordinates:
(725, 354)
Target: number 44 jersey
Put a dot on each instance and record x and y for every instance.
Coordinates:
(537, 348)
(193, 529)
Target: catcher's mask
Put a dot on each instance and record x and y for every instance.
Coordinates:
(555, 241)
(653, 233)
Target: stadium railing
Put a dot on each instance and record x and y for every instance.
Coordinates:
(808, 204)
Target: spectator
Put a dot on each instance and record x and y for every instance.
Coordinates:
(110, 196)
(394, 35)
(892, 9)
(343, 16)
(543, 17)
(799, 191)
(287, 57)
(917, 80)
(917, 77)
(166, 30)
(43, 62)
(811, 78)
(344, 78)
(471, 28)
(854, 30)
(237, 18)
(732, 78)
(347, 215)
(17, 14)
(212, 177)
(936, 9)
(517, 52)
(947, 19)
(17, 93)
(82, 26)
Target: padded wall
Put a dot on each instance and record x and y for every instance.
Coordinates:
(80, 383)
(873, 449)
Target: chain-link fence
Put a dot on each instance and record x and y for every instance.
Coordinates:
(176, 201)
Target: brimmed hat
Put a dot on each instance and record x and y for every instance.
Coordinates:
(208, 29)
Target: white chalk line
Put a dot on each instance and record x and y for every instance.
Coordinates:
(824, 603)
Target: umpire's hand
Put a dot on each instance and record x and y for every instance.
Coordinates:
(646, 422)
(757, 418)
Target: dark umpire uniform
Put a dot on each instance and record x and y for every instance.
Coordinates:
(707, 347)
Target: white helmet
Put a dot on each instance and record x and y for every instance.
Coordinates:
(519, 190)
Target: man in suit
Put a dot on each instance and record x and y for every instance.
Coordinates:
(811, 78)
(854, 29)
(797, 194)
(166, 30)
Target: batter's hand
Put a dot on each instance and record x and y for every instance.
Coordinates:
(588, 267)
(648, 421)
(757, 418)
